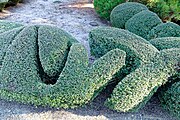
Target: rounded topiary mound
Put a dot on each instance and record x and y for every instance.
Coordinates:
(168, 29)
(142, 23)
(104, 7)
(166, 42)
(123, 12)
(44, 65)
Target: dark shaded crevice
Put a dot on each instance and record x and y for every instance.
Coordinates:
(45, 78)
(14, 37)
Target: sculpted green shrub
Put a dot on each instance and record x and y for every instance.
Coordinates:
(23, 77)
(168, 29)
(104, 39)
(142, 23)
(104, 7)
(136, 89)
(153, 69)
(170, 98)
(123, 12)
(166, 42)
(6, 25)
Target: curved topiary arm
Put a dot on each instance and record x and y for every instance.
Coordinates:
(166, 42)
(6, 39)
(54, 45)
(137, 88)
(5, 26)
(168, 29)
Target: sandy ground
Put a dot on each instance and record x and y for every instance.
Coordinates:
(76, 17)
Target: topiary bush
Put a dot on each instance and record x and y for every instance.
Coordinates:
(137, 88)
(168, 29)
(6, 25)
(138, 50)
(153, 70)
(32, 53)
(142, 23)
(123, 12)
(104, 7)
(166, 42)
(170, 98)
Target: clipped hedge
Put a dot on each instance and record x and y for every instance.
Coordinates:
(166, 42)
(22, 75)
(142, 22)
(104, 7)
(104, 39)
(136, 89)
(168, 29)
(123, 12)
(6, 25)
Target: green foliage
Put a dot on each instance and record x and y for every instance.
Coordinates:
(104, 39)
(6, 39)
(123, 12)
(142, 23)
(53, 58)
(5, 26)
(136, 89)
(21, 78)
(168, 29)
(104, 7)
(166, 42)
(167, 10)
(170, 98)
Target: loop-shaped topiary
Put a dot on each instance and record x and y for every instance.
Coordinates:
(168, 29)
(104, 7)
(142, 23)
(153, 70)
(123, 12)
(166, 42)
(137, 88)
(104, 39)
(31, 58)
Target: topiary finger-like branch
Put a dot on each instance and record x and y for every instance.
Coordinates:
(166, 42)
(5, 26)
(138, 50)
(137, 88)
(168, 29)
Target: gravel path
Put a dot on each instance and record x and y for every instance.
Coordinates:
(76, 17)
